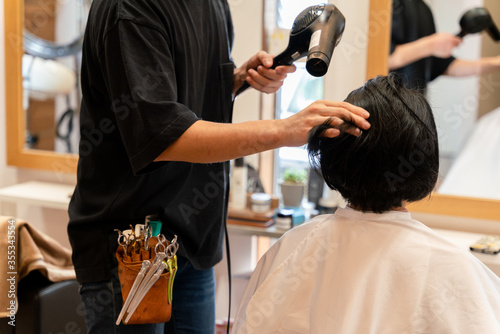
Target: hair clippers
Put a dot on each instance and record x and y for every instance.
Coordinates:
(316, 31)
(476, 20)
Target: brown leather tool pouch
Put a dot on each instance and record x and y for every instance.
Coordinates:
(155, 307)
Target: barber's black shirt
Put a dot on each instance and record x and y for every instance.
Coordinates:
(412, 20)
(151, 69)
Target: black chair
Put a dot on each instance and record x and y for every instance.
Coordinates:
(46, 307)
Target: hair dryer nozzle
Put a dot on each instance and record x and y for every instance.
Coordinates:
(324, 39)
(317, 64)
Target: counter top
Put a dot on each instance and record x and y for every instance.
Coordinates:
(44, 194)
(465, 239)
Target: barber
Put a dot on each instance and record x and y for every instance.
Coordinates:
(158, 85)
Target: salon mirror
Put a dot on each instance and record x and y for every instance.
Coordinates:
(42, 55)
(466, 110)
(22, 153)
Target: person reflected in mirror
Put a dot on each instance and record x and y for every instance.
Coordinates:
(158, 87)
(420, 54)
(370, 267)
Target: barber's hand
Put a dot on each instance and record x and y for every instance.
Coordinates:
(257, 72)
(344, 116)
(441, 45)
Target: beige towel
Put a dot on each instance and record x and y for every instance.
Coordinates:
(34, 251)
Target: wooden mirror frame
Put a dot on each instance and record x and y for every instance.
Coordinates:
(18, 155)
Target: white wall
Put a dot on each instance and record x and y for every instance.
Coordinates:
(347, 70)
(247, 42)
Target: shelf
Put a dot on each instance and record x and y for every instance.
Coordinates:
(44, 194)
(270, 231)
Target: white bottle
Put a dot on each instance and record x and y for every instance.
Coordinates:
(239, 180)
(330, 201)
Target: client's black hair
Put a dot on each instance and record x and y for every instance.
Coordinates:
(397, 159)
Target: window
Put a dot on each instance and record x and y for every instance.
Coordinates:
(300, 88)
(298, 91)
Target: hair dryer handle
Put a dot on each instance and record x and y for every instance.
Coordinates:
(282, 59)
(243, 87)
(492, 30)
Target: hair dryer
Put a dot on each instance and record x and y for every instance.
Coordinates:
(476, 20)
(316, 31)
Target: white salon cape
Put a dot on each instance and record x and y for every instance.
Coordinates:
(357, 273)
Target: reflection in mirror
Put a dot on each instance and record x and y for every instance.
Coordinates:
(466, 108)
(53, 34)
(470, 110)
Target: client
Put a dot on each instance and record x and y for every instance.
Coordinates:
(370, 267)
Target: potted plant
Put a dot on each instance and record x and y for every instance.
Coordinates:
(292, 187)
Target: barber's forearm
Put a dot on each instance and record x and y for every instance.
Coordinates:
(461, 68)
(408, 53)
(209, 142)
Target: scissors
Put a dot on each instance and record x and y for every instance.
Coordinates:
(147, 233)
(165, 247)
(172, 248)
(123, 240)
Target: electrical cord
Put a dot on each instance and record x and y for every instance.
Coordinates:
(67, 117)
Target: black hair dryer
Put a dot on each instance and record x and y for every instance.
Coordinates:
(476, 20)
(316, 31)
